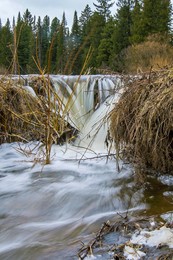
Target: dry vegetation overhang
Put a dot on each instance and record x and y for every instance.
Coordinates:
(142, 122)
(20, 113)
(27, 117)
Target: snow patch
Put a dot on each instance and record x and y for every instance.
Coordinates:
(162, 236)
(131, 253)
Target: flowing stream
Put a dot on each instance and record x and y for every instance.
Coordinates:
(46, 211)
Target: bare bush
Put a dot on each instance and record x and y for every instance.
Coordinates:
(149, 54)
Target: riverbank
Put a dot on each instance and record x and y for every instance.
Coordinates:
(132, 238)
(141, 122)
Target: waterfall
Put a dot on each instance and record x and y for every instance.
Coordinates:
(94, 134)
(88, 100)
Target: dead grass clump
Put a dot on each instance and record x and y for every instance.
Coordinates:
(38, 84)
(27, 117)
(142, 122)
(20, 114)
(146, 55)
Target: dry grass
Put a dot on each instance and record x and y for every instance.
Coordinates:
(142, 122)
(19, 113)
(24, 117)
(147, 55)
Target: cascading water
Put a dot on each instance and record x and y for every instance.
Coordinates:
(89, 99)
(83, 95)
(46, 211)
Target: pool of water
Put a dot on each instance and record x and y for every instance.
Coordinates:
(45, 212)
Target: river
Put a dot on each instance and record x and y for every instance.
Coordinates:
(46, 211)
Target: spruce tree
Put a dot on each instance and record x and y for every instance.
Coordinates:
(84, 19)
(14, 23)
(24, 35)
(61, 58)
(27, 18)
(74, 44)
(156, 16)
(54, 28)
(136, 22)
(165, 16)
(75, 26)
(34, 23)
(106, 44)
(123, 24)
(6, 45)
(122, 33)
(97, 23)
(75, 38)
(103, 8)
(45, 40)
(19, 18)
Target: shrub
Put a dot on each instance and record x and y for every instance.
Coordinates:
(149, 54)
(141, 123)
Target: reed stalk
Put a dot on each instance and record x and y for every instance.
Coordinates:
(25, 117)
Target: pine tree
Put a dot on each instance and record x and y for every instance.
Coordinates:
(19, 18)
(45, 40)
(85, 32)
(122, 33)
(75, 25)
(75, 38)
(14, 23)
(103, 8)
(136, 16)
(6, 45)
(156, 16)
(54, 28)
(27, 18)
(24, 37)
(97, 23)
(61, 58)
(74, 43)
(165, 16)
(106, 44)
(34, 24)
(123, 22)
(84, 19)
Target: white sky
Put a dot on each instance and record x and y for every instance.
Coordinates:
(52, 8)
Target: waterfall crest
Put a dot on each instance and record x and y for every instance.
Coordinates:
(85, 103)
(89, 99)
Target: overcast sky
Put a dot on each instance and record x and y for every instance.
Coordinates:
(52, 8)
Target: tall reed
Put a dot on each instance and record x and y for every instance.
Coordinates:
(42, 117)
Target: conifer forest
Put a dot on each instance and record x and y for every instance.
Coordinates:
(137, 37)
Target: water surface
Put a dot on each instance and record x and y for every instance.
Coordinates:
(45, 212)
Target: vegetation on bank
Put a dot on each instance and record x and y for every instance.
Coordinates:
(26, 115)
(115, 239)
(137, 38)
(112, 39)
(142, 122)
